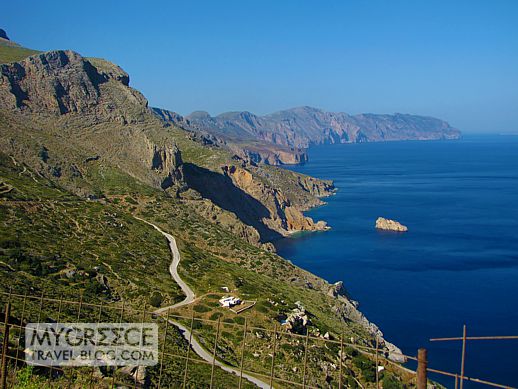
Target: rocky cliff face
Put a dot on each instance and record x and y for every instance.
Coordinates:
(75, 108)
(240, 190)
(303, 126)
(63, 82)
(268, 154)
(167, 162)
(282, 215)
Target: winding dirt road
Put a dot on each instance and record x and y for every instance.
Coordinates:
(189, 298)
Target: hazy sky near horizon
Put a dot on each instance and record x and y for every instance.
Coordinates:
(456, 60)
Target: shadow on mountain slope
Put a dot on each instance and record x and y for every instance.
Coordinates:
(221, 191)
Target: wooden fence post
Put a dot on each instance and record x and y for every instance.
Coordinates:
(422, 365)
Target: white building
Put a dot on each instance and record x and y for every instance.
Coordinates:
(229, 301)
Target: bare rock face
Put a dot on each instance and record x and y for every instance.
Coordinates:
(247, 149)
(63, 82)
(317, 187)
(337, 289)
(282, 216)
(296, 221)
(167, 161)
(57, 81)
(390, 225)
(270, 154)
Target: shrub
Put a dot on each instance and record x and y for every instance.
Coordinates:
(366, 366)
(156, 299)
(130, 200)
(201, 308)
(25, 379)
(391, 382)
(215, 316)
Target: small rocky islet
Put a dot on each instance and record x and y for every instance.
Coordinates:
(390, 225)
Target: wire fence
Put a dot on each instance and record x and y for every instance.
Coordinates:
(196, 352)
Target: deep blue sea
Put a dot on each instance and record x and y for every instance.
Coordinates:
(457, 264)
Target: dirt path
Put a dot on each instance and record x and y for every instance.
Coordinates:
(189, 298)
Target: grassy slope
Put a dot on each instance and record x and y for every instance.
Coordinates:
(60, 232)
(13, 53)
(47, 233)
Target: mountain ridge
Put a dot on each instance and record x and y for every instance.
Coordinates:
(298, 128)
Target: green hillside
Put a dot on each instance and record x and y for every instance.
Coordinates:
(14, 53)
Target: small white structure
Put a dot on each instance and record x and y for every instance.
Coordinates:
(229, 301)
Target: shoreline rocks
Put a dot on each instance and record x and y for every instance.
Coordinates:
(390, 225)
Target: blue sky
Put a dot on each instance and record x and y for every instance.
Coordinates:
(457, 60)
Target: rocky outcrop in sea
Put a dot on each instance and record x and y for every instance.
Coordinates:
(390, 225)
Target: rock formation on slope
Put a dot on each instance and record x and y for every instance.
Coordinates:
(390, 225)
(61, 82)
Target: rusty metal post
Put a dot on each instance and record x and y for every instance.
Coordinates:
(273, 356)
(242, 357)
(214, 354)
(463, 358)
(422, 364)
(5, 346)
